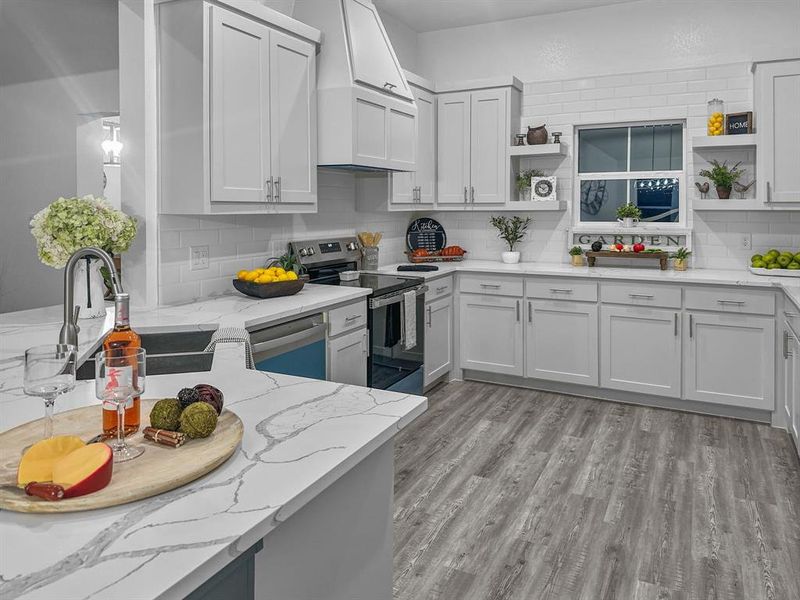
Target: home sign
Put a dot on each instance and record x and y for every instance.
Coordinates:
(739, 123)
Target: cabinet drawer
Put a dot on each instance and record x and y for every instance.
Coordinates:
(439, 288)
(635, 294)
(488, 284)
(732, 301)
(561, 288)
(346, 318)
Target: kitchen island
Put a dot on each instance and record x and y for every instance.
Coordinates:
(312, 482)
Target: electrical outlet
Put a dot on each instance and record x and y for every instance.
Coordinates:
(198, 258)
(747, 241)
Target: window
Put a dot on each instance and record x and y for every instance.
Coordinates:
(641, 164)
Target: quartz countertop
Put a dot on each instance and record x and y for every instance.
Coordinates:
(23, 329)
(743, 277)
(300, 435)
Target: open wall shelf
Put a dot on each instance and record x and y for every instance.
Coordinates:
(559, 149)
(724, 141)
(705, 204)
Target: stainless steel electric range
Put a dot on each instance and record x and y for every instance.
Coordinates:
(396, 360)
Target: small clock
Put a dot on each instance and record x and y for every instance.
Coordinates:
(543, 188)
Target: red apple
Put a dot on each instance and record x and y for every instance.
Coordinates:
(85, 470)
(619, 247)
(638, 247)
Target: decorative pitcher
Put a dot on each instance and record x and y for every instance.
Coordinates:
(537, 135)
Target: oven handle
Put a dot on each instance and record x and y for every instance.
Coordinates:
(395, 298)
(294, 340)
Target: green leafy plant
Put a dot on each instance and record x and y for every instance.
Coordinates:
(629, 211)
(288, 261)
(511, 230)
(575, 251)
(524, 178)
(721, 175)
(681, 253)
(69, 224)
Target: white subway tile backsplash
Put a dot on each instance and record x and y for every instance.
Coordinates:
(649, 78)
(613, 80)
(579, 84)
(596, 94)
(686, 75)
(732, 70)
(675, 87)
(206, 237)
(628, 91)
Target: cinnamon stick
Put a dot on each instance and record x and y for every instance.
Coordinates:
(173, 439)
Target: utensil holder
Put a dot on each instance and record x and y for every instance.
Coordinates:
(370, 254)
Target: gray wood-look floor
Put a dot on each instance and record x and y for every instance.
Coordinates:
(507, 493)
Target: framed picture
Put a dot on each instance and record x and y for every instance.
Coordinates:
(739, 123)
(543, 188)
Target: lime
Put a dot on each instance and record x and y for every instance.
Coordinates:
(756, 257)
(794, 266)
(773, 265)
(797, 257)
(784, 261)
(773, 252)
(770, 258)
(759, 264)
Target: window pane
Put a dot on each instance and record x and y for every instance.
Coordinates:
(657, 148)
(603, 150)
(600, 199)
(657, 199)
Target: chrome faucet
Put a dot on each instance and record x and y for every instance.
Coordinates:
(69, 330)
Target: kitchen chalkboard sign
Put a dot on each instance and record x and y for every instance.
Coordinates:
(426, 233)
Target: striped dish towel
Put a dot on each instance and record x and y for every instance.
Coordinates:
(233, 334)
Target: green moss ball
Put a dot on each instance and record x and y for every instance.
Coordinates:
(166, 414)
(198, 420)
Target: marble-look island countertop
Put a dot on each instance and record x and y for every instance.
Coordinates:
(23, 329)
(743, 277)
(300, 436)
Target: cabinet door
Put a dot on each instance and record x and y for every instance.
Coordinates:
(795, 427)
(453, 112)
(779, 130)
(347, 358)
(488, 147)
(402, 142)
(293, 118)
(491, 334)
(426, 147)
(561, 341)
(403, 189)
(791, 385)
(438, 338)
(372, 57)
(730, 359)
(627, 335)
(239, 109)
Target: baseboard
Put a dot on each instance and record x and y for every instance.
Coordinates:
(691, 406)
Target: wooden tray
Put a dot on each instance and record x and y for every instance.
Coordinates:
(434, 258)
(158, 470)
(276, 289)
(661, 256)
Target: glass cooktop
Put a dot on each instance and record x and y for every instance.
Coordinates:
(379, 284)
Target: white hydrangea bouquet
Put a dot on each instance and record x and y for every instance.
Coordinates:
(69, 224)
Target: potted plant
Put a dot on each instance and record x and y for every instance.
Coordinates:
(69, 224)
(628, 214)
(681, 256)
(511, 230)
(723, 177)
(576, 252)
(288, 262)
(524, 181)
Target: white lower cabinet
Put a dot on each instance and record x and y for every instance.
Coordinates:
(791, 384)
(491, 334)
(730, 359)
(347, 358)
(561, 341)
(640, 350)
(438, 338)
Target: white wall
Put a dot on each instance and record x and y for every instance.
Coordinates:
(49, 73)
(623, 38)
(404, 41)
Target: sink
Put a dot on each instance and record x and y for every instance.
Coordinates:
(174, 352)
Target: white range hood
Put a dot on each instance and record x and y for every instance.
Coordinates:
(366, 112)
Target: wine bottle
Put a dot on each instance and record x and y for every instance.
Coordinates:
(122, 336)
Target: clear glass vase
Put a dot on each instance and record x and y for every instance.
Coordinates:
(716, 117)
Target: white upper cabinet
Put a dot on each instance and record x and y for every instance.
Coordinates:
(777, 90)
(454, 148)
(237, 113)
(414, 190)
(489, 141)
(371, 54)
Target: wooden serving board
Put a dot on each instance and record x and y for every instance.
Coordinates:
(160, 469)
(662, 257)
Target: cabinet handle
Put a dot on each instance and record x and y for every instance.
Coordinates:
(644, 296)
(430, 316)
(268, 190)
(419, 193)
(351, 318)
(365, 342)
(560, 291)
(465, 195)
(785, 344)
(676, 325)
(517, 311)
(732, 302)
(277, 189)
(691, 326)
(389, 86)
(769, 193)
(439, 290)
(491, 286)
(786, 313)
(472, 195)
(530, 312)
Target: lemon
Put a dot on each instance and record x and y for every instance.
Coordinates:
(241, 274)
(292, 276)
(252, 276)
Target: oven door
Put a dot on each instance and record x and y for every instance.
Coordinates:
(394, 364)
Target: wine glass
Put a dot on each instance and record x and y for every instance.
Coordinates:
(49, 371)
(119, 377)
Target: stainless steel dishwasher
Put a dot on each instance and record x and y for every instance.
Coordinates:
(292, 348)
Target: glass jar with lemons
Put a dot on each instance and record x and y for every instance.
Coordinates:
(716, 117)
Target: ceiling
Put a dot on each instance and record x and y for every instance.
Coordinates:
(431, 15)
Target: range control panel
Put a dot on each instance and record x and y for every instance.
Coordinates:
(316, 252)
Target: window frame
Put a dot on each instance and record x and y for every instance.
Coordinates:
(679, 226)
